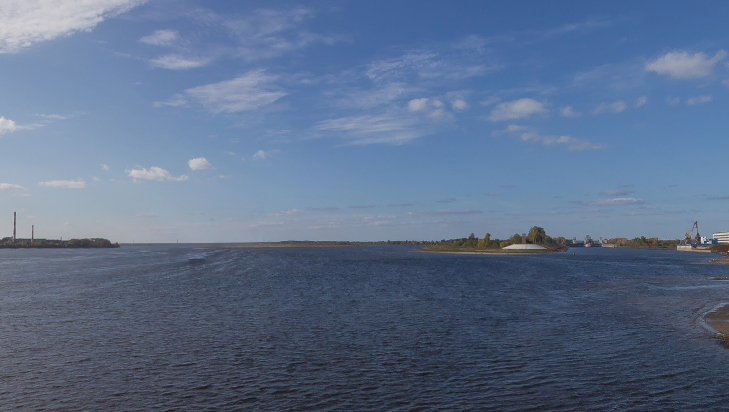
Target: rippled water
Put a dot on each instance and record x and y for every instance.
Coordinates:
(174, 328)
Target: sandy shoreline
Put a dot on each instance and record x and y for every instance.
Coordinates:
(724, 260)
(718, 320)
(495, 253)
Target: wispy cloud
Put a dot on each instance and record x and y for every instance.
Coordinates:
(174, 101)
(178, 62)
(425, 64)
(616, 107)
(682, 65)
(25, 22)
(161, 38)
(568, 111)
(362, 206)
(65, 184)
(16, 190)
(641, 101)
(528, 134)
(516, 109)
(445, 212)
(289, 212)
(448, 200)
(618, 192)
(618, 201)
(250, 91)
(691, 101)
(262, 154)
(154, 173)
(258, 34)
(372, 129)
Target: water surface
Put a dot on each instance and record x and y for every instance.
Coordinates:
(368, 328)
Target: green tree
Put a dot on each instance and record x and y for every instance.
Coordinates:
(536, 235)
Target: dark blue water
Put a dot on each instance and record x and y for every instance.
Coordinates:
(147, 328)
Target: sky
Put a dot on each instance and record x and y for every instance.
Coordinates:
(228, 121)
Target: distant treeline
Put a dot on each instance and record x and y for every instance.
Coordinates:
(7, 243)
(536, 235)
(644, 243)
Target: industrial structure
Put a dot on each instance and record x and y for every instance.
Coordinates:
(721, 238)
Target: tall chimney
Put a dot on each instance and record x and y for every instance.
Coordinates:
(13, 227)
(32, 233)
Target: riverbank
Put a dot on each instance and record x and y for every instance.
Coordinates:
(496, 252)
(718, 320)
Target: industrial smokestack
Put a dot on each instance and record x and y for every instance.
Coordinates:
(32, 233)
(13, 227)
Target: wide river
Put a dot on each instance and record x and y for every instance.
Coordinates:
(361, 328)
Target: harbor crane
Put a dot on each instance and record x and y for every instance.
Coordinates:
(689, 235)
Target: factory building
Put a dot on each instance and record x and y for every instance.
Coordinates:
(721, 238)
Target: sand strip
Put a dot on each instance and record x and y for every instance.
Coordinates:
(718, 319)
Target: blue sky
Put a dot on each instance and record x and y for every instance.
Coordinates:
(196, 121)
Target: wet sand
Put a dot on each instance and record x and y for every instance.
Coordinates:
(718, 319)
(724, 260)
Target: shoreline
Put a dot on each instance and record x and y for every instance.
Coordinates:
(717, 319)
(495, 253)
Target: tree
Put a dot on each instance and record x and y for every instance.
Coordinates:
(536, 235)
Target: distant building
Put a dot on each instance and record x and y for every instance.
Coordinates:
(721, 238)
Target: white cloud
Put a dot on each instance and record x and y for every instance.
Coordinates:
(371, 129)
(641, 101)
(176, 62)
(7, 126)
(55, 116)
(698, 100)
(154, 173)
(445, 212)
(251, 91)
(25, 22)
(459, 104)
(9, 186)
(104, 167)
(618, 201)
(262, 155)
(417, 105)
(682, 65)
(174, 101)
(65, 184)
(616, 107)
(516, 109)
(160, 38)
(425, 65)
(199, 163)
(672, 101)
(568, 111)
(725, 82)
(527, 134)
(618, 192)
(142, 216)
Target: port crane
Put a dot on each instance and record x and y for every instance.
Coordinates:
(690, 237)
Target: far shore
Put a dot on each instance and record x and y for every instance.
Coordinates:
(485, 252)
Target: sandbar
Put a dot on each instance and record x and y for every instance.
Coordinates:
(718, 319)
